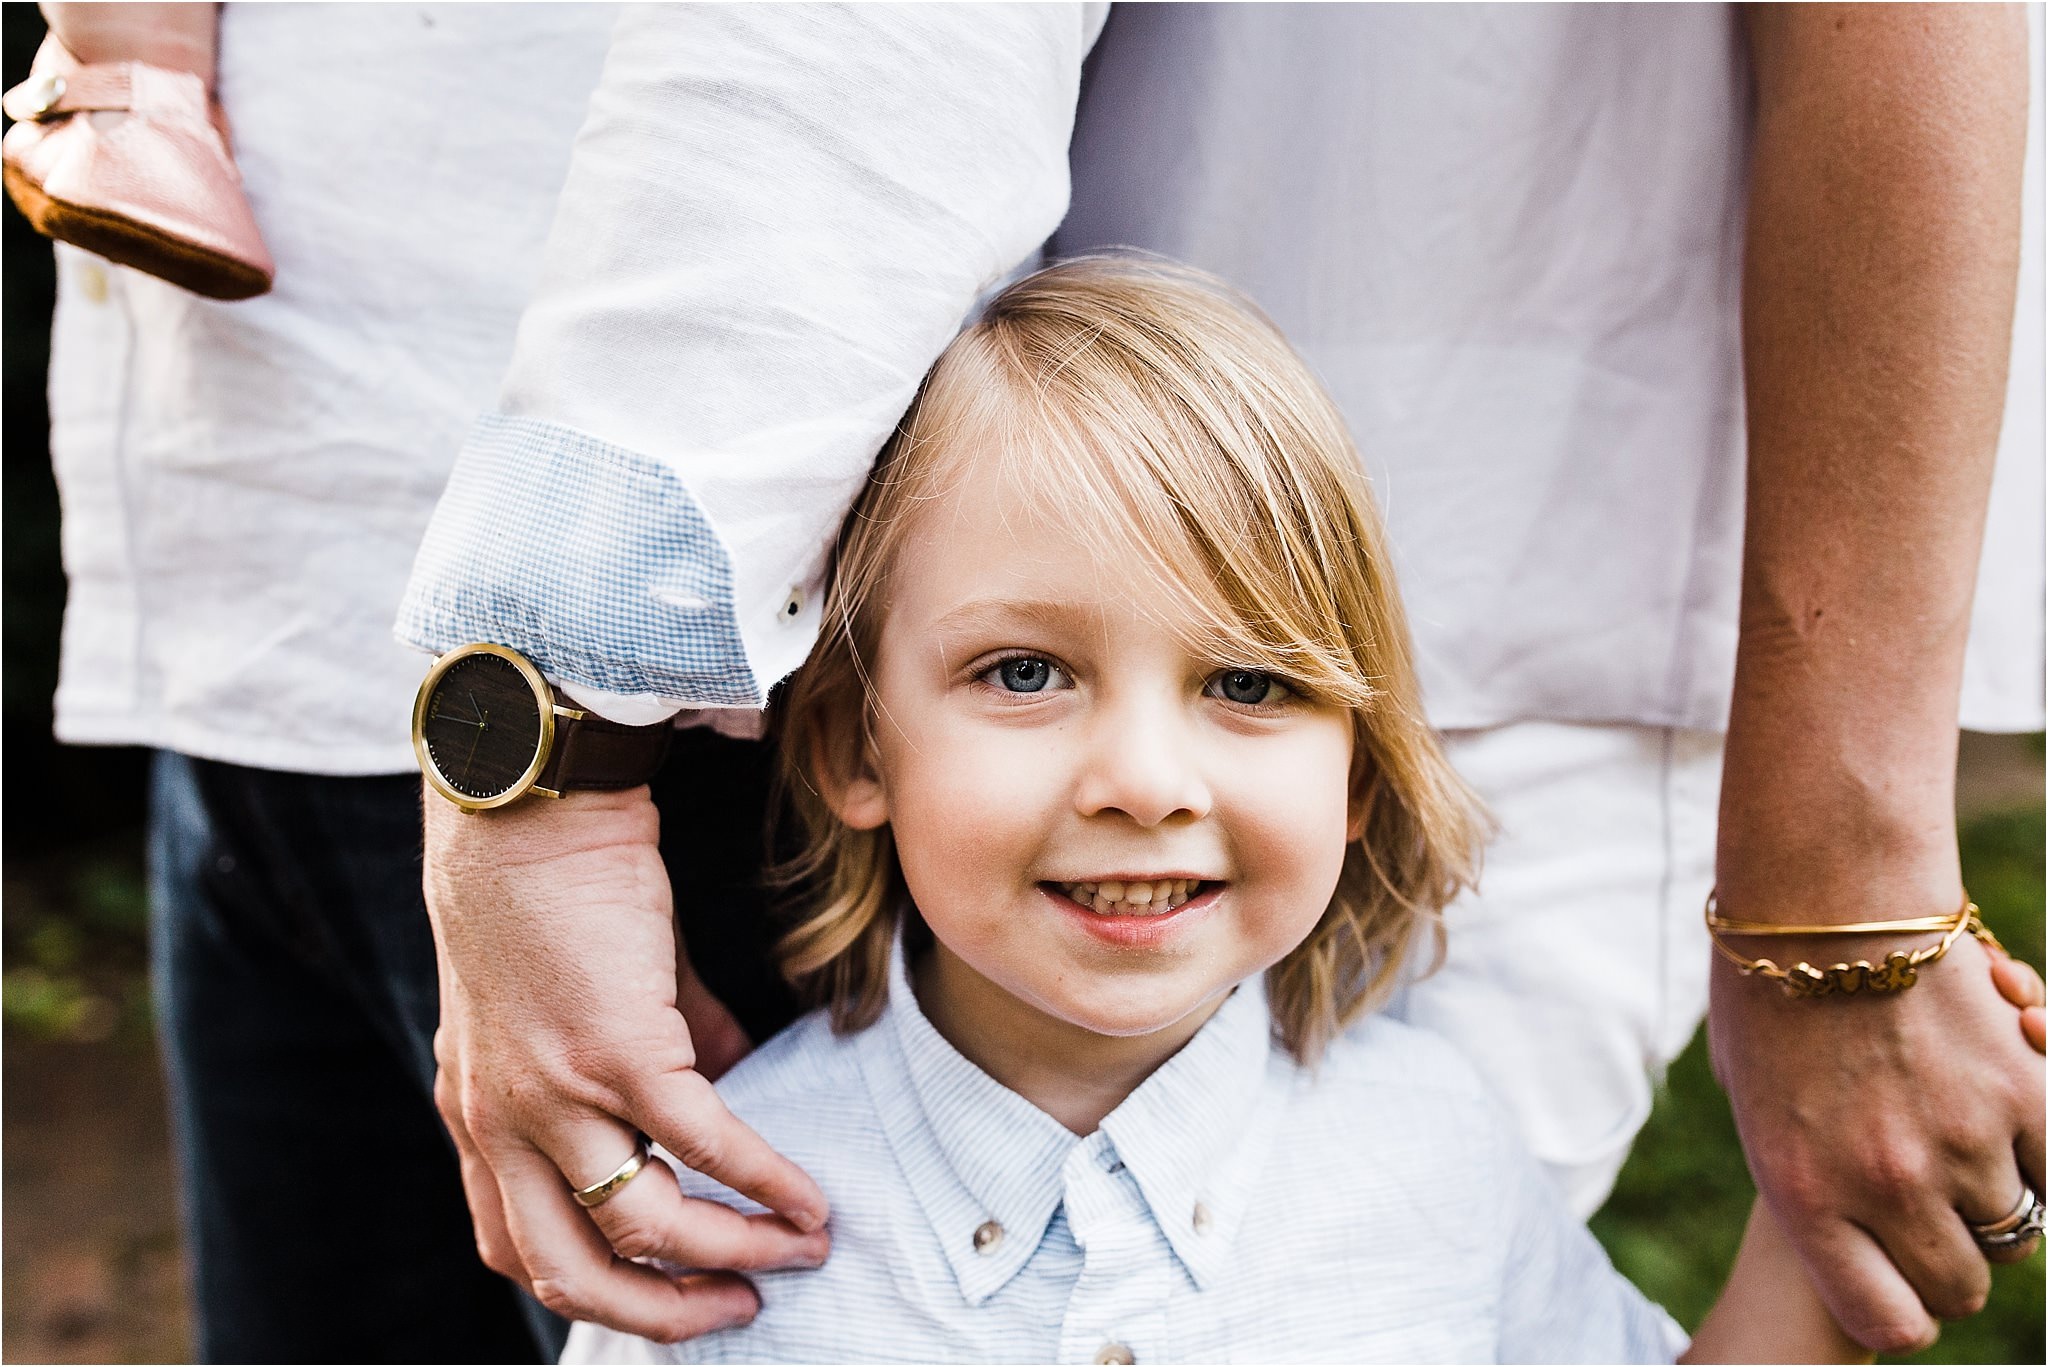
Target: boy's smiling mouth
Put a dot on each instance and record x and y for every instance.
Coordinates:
(1134, 897)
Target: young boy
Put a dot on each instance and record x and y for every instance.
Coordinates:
(1122, 811)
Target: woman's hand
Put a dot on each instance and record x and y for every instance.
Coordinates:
(1769, 1311)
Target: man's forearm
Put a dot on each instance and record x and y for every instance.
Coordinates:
(774, 221)
(1877, 312)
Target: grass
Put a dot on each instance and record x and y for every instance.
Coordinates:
(1677, 1211)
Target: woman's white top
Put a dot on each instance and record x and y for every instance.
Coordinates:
(1509, 238)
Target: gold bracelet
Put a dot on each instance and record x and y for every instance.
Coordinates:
(1721, 925)
(1898, 972)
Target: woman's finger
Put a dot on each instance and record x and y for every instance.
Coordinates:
(1886, 1313)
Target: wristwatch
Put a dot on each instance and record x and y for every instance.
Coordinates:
(489, 729)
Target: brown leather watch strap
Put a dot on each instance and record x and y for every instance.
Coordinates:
(592, 753)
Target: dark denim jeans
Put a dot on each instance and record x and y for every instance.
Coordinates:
(296, 996)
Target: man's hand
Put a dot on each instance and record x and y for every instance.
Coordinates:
(560, 1036)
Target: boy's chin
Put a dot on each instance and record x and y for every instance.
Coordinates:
(1119, 1016)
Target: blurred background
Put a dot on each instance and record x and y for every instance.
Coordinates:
(92, 1269)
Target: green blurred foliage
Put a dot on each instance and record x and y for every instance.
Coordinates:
(76, 944)
(1677, 1212)
(2002, 867)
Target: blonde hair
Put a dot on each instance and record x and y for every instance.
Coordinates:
(1151, 403)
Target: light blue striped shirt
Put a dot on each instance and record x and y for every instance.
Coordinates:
(1236, 1206)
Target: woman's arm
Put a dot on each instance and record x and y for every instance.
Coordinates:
(1884, 231)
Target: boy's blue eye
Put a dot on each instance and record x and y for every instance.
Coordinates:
(1248, 687)
(1025, 674)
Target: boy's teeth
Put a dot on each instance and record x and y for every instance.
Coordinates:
(1134, 899)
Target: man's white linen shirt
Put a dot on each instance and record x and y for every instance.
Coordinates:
(777, 217)
(1236, 1206)
(245, 485)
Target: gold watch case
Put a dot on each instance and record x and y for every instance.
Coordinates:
(544, 704)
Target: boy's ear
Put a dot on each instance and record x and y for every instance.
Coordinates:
(843, 758)
(1362, 786)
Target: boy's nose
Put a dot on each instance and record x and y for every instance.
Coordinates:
(1142, 763)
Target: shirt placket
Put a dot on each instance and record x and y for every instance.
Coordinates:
(1117, 1312)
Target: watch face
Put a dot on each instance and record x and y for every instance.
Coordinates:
(480, 726)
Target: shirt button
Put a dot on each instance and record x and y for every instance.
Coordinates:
(1114, 1352)
(987, 1237)
(92, 281)
(1202, 1218)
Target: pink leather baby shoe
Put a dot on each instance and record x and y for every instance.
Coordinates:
(157, 189)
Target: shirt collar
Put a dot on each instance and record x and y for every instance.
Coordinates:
(1195, 1134)
(976, 1154)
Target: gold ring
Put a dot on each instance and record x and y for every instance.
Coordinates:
(597, 1193)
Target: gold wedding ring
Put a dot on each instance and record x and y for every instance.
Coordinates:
(597, 1193)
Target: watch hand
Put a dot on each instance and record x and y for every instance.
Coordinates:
(471, 756)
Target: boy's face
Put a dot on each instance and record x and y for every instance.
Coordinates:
(1041, 737)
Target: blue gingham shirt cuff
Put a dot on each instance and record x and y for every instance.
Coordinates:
(593, 561)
